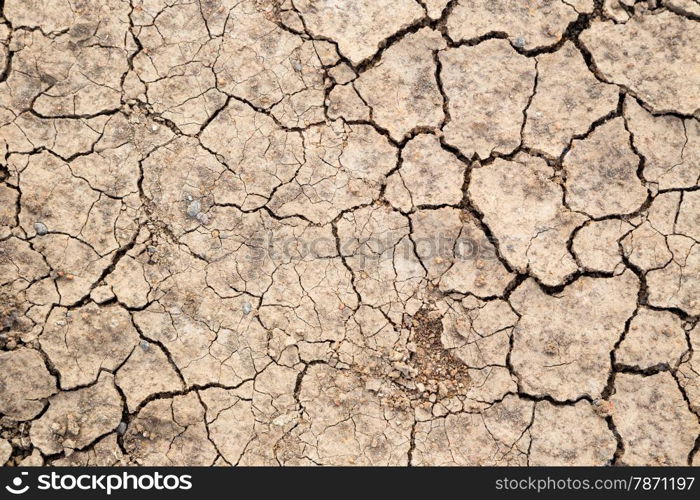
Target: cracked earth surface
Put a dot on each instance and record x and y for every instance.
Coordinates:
(419, 232)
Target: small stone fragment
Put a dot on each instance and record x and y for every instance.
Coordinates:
(203, 218)
(193, 208)
(40, 228)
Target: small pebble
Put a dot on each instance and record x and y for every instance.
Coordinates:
(40, 228)
(145, 345)
(203, 218)
(247, 308)
(519, 42)
(121, 428)
(193, 208)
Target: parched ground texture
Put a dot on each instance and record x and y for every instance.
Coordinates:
(420, 232)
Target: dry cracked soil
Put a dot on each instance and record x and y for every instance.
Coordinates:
(350, 232)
